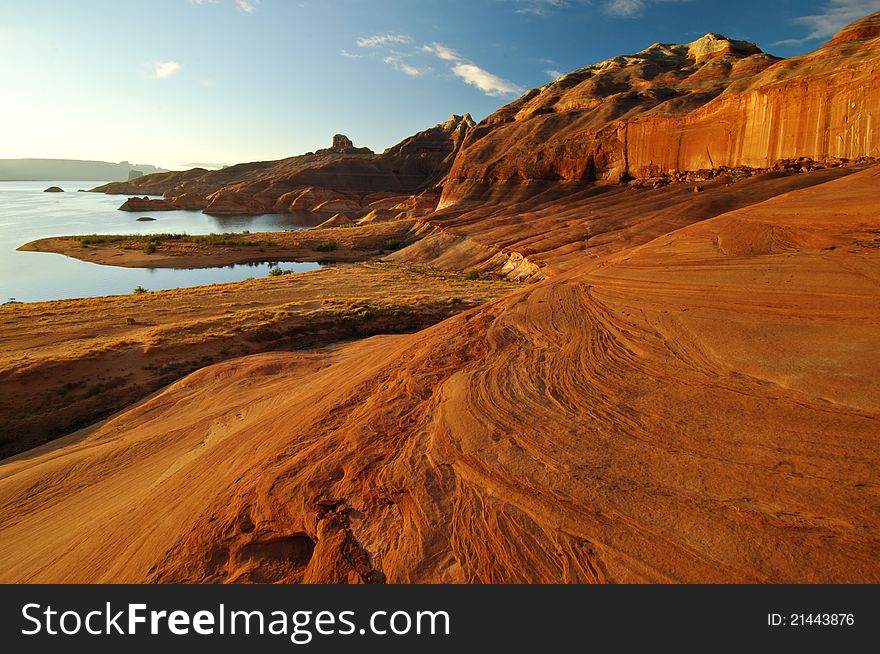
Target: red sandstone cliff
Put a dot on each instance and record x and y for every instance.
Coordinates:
(714, 102)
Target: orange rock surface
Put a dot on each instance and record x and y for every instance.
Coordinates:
(687, 393)
(700, 408)
(710, 103)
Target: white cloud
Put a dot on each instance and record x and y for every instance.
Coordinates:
(379, 40)
(539, 7)
(625, 8)
(247, 7)
(163, 69)
(484, 80)
(472, 74)
(836, 14)
(553, 74)
(349, 55)
(616, 8)
(441, 51)
(396, 62)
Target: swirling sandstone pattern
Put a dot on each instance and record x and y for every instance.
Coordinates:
(689, 395)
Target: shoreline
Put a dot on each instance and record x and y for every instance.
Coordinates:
(70, 363)
(353, 245)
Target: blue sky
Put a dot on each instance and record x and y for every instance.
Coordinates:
(178, 82)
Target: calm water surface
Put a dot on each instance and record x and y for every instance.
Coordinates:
(27, 213)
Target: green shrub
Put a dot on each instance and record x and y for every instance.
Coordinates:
(392, 244)
(139, 290)
(149, 247)
(275, 272)
(472, 275)
(325, 246)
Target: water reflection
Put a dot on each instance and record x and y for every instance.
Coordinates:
(27, 213)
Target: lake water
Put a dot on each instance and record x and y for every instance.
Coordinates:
(27, 213)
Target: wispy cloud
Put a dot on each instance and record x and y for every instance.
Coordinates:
(553, 74)
(835, 14)
(379, 40)
(470, 73)
(163, 69)
(539, 7)
(461, 67)
(349, 55)
(484, 80)
(396, 62)
(247, 7)
(616, 8)
(441, 52)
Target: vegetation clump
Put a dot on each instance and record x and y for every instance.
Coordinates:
(325, 246)
(393, 244)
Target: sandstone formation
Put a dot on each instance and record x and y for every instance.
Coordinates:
(702, 408)
(714, 102)
(337, 220)
(317, 185)
(147, 204)
(54, 189)
(686, 393)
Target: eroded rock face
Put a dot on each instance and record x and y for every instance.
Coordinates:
(340, 178)
(714, 102)
(147, 204)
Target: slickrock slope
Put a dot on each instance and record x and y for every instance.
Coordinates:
(710, 103)
(702, 408)
(687, 394)
(341, 178)
(69, 363)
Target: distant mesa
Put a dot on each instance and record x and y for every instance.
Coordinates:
(134, 174)
(54, 189)
(145, 219)
(147, 204)
(51, 170)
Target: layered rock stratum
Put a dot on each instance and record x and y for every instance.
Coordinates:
(711, 103)
(315, 185)
(687, 394)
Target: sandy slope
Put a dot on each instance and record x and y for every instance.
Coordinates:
(699, 408)
(68, 363)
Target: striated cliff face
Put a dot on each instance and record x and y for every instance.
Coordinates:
(339, 178)
(714, 102)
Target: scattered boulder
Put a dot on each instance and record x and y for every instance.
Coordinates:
(54, 189)
(147, 204)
